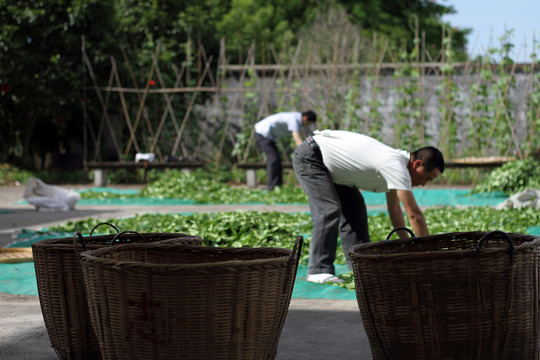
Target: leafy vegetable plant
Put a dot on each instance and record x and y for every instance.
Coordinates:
(203, 188)
(512, 177)
(251, 228)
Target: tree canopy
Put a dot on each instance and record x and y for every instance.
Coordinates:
(41, 74)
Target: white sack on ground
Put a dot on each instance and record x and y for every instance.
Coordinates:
(49, 198)
(526, 198)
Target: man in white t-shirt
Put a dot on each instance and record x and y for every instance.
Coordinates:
(332, 165)
(273, 128)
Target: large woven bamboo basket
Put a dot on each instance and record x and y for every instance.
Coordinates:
(166, 301)
(61, 292)
(462, 295)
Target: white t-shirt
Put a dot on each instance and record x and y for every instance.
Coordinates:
(279, 125)
(358, 160)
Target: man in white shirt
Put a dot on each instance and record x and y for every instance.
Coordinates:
(332, 165)
(273, 128)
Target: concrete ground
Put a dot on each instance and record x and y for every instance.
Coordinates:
(314, 329)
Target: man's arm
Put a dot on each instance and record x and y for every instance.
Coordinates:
(297, 137)
(416, 217)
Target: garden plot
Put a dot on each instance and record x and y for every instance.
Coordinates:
(446, 210)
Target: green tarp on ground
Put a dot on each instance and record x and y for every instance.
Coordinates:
(424, 197)
(20, 279)
(306, 290)
(534, 230)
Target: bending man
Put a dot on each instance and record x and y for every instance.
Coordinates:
(273, 128)
(332, 165)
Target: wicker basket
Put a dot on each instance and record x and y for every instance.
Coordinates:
(61, 292)
(189, 302)
(463, 295)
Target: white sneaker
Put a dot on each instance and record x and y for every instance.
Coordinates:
(323, 278)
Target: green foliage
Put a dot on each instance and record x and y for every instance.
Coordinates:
(408, 127)
(207, 187)
(40, 57)
(533, 107)
(445, 220)
(44, 86)
(397, 19)
(501, 107)
(274, 23)
(249, 228)
(239, 228)
(10, 175)
(175, 184)
(512, 177)
(480, 116)
(449, 100)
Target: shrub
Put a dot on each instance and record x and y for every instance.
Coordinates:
(512, 177)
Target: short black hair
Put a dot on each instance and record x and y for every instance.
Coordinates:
(431, 157)
(310, 115)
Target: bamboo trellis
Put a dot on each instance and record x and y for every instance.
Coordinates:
(169, 117)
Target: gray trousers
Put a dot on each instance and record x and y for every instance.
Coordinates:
(335, 209)
(274, 169)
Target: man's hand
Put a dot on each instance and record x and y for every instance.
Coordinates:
(416, 217)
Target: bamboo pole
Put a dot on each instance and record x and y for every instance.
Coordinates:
(125, 109)
(534, 118)
(502, 97)
(142, 101)
(262, 110)
(168, 108)
(97, 149)
(190, 108)
(139, 98)
(100, 99)
(214, 83)
(422, 125)
(84, 101)
(227, 121)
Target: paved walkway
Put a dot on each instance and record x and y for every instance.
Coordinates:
(314, 329)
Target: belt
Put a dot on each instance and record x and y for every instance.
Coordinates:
(312, 142)
(314, 146)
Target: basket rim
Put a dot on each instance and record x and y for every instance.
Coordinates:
(356, 250)
(108, 238)
(93, 256)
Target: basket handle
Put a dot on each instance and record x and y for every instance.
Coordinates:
(78, 238)
(400, 228)
(293, 261)
(127, 232)
(104, 223)
(511, 248)
(297, 249)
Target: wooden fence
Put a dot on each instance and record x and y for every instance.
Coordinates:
(206, 109)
